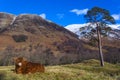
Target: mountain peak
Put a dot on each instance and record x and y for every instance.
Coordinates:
(5, 20)
(28, 22)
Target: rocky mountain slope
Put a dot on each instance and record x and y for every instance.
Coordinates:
(36, 29)
(30, 35)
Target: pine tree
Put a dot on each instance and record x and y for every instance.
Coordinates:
(99, 18)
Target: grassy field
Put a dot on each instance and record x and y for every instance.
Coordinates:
(87, 70)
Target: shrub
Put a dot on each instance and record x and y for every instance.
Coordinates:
(2, 76)
(20, 38)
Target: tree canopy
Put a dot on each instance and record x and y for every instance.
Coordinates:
(97, 16)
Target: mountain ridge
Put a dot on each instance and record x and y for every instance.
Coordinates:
(75, 28)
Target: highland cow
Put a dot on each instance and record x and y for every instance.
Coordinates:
(22, 66)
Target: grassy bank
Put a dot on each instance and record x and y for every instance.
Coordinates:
(87, 70)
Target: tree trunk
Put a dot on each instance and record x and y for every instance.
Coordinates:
(100, 46)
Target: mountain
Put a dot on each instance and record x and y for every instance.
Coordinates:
(30, 36)
(43, 41)
(75, 28)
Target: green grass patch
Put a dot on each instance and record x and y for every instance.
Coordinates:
(87, 70)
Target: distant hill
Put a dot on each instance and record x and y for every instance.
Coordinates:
(39, 40)
(75, 28)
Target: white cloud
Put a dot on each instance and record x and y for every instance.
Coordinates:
(116, 16)
(79, 12)
(43, 15)
(60, 16)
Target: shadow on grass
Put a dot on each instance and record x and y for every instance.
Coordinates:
(2, 76)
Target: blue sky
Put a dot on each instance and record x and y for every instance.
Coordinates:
(62, 12)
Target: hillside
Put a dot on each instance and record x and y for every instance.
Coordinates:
(42, 41)
(87, 70)
(35, 38)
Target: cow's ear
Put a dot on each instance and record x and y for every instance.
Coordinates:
(14, 58)
(24, 59)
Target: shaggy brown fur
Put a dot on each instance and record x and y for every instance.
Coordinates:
(24, 67)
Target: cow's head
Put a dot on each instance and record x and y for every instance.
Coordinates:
(19, 61)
